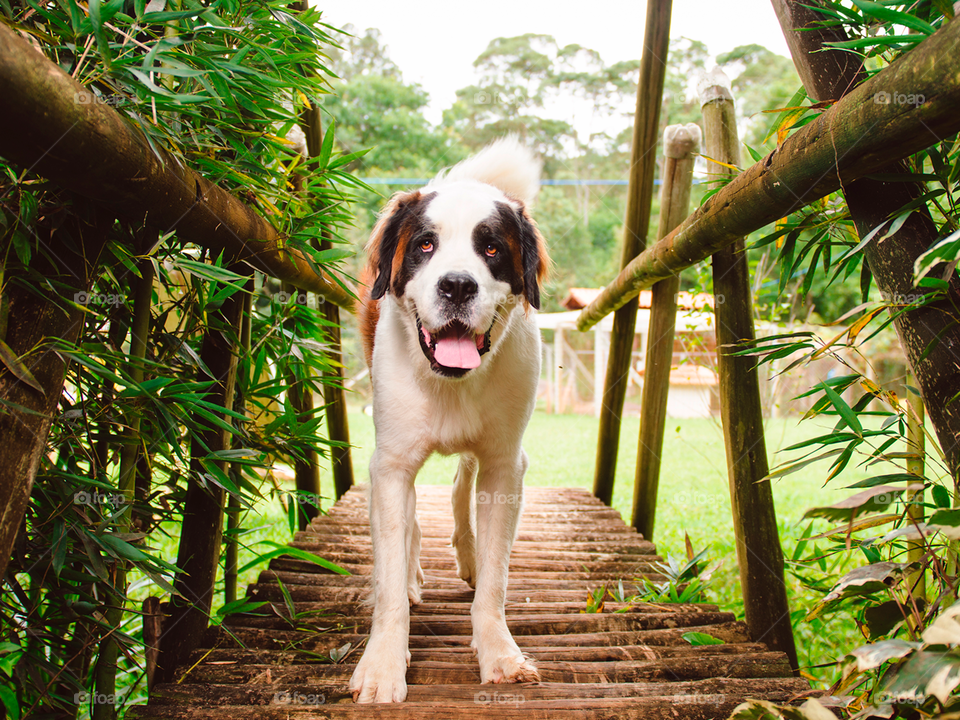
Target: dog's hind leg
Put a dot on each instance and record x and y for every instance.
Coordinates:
(464, 513)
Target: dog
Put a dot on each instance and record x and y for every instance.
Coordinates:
(447, 316)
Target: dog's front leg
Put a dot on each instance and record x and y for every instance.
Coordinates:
(380, 675)
(499, 501)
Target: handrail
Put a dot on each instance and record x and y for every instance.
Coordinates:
(52, 125)
(860, 134)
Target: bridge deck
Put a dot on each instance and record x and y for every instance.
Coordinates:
(630, 664)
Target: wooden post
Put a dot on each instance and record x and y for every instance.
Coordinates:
(307, 470)
(232, 543)
(334, 394)
(558, 370)
(106, 670)
(754, 518)
(643, 164)
(681, 143)
(202, 527)
(29, 328)
(916, 447)
(833, 149)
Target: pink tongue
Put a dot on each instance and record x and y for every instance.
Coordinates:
(454, 351)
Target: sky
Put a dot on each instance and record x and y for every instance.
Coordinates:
(435, 43)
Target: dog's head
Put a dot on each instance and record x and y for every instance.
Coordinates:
(461, 254)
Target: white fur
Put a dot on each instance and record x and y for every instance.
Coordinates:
(480, 416)
(506, 164)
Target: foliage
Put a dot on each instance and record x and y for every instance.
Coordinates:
(685, 581)
(220, 86)
(899, 520)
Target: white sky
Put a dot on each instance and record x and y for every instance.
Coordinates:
(435, 43)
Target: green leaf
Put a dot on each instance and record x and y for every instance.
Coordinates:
(869, 579)
(875, 499)
(941, 496)
(840, 405)
(19, 369)
(870, 657)
(880, 12)
(698, 638)
(9, 699)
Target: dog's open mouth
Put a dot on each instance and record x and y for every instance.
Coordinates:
(454, 349)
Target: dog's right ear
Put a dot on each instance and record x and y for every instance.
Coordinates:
(384, 243)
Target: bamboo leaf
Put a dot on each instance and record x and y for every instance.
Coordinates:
(19, 369)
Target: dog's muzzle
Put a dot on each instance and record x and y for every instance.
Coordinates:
(453, 350)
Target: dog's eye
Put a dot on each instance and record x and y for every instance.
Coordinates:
(491, 250)
(426, 246)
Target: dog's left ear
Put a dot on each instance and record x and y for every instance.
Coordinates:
(533, 257)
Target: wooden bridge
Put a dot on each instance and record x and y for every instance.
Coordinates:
(628, 661)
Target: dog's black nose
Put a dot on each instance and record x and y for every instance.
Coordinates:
(457, 287)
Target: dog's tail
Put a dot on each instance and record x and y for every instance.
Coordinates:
(506, 164)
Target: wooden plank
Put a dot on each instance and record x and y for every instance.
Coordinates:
(612, 664)
(195, 694)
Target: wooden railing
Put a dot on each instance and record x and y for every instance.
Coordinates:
(856, 136)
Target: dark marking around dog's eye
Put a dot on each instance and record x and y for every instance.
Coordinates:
(399, 237)
(420, 247)
(492, 242)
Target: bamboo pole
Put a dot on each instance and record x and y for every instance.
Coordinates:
(643, 163)
(855, 137)
(106, 670)
(201, 530)
(759, 554)
(334, 394)
(306, 470)
(916, 449)
(681, 143)
(54, 126)
(231, 541)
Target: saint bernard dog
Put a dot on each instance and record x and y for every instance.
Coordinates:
(448, 320)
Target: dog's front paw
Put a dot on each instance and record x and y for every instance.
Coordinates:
(380, 677)
(511, 668)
